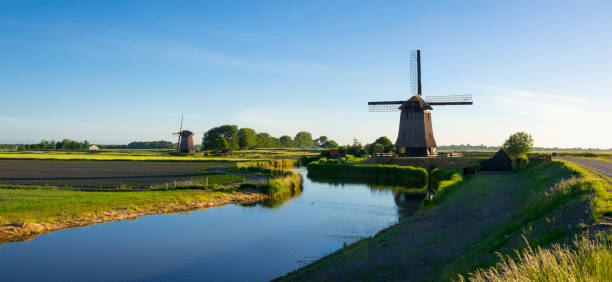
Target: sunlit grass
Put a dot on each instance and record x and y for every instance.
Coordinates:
(46, 205)
(585, 260)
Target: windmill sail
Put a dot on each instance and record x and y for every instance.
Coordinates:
(392, 106)
(415, 72)
(178, 146)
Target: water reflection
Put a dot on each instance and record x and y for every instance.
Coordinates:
(277, 202)
(407, 197)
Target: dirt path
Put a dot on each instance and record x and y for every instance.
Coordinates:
(418, 247)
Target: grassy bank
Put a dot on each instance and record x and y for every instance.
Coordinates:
(461, 231)
(444, 183)
(27, 211)
(382, 173)
(440, 162)
(48, 205)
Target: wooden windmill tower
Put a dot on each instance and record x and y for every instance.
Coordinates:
(185, 140)
(415, 137)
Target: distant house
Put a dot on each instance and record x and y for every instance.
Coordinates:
(93, 148)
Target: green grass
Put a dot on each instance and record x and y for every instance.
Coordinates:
(601, 201)
(47, 205)
(585, 260)
(221, 179)
(387, 173)
(550, 185)
(449, 181)
(268, 164)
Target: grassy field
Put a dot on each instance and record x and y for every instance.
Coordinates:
(159, 155)
(47, 205)
(45, 191)
(99, 175)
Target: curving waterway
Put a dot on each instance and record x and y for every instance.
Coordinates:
(228, 243)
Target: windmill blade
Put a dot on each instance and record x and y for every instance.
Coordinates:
(178, 145)
(415, 72)
(385, 106)
(449, 100)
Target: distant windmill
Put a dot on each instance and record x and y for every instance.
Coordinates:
(415, 137)
(185, 140)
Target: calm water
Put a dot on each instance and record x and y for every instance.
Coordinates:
(229, 243)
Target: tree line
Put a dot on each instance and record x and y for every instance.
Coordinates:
(66, 144)
(230, 137)
(142, 145)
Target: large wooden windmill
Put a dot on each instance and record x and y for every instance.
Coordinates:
(185, 140)
(415, 137)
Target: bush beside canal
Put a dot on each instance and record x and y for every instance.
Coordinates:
(387, 173)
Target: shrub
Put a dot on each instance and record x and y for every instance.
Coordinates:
(445, 187)
(380, 172)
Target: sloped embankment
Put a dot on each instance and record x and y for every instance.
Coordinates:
(548, 202)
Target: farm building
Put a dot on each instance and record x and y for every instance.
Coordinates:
(94, 148)
(500, 162)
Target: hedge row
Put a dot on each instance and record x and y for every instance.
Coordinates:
(389, 173)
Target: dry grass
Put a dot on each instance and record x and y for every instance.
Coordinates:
(585, 260)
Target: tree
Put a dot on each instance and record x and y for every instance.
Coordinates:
(303, 138)
(220, 144)
(286, 141)
(247, 138)
(321, 140)
(330, 144)
(53, 145)
(386, 143)
(264, 140)
(229, 132)
(378, 148)
(518, 144)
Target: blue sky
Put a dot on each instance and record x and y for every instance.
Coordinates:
(116, 71)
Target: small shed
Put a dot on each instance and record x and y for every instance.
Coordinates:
(499, 162)
(94, 148)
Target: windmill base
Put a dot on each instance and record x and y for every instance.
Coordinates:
(416, 152)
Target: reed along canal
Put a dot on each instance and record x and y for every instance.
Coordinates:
(228, 243)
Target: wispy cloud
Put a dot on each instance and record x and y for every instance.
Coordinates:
(178, 115)
(177, 51)
(538, 95)
(96, 40)
(548, 109)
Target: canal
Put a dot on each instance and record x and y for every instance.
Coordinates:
(228, 243)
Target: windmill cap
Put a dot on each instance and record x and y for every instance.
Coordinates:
(416, 102)
(186, 133)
